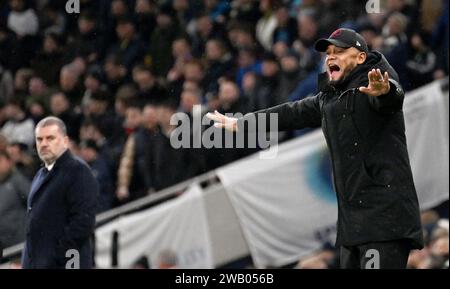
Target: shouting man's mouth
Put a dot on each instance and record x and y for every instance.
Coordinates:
(334, 71)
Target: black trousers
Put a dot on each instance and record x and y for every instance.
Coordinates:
(378, 255)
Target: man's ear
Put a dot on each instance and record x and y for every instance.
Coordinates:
(361, 58)
(66, 141)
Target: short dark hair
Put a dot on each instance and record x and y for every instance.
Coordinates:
(52, 120)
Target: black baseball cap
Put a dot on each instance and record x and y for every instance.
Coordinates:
(344, 38)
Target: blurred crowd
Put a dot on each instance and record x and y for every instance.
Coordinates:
(116, 73)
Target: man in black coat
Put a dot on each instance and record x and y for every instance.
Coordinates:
(61, 204)
(359, 107)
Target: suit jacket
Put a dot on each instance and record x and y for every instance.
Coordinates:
(61, 215)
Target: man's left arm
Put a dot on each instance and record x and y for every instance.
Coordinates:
(385, 94)
(82, 208)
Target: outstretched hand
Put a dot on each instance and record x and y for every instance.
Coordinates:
(222, 121)
(378, 84)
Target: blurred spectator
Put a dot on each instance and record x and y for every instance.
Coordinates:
(395, 46)
(128, 46)
(89, 41)
(18, 128)
(92, 84)
(49, 60)
(14, 188)
(23, 160)
(145, 17)
(219, 63)
(247, 62)
(129, 184)
(70, 83)
(165, 32)
(116, 73)
(267, 24)
(421, 63)
(23, 22)
(291, 75)
(245, 11)
(60, 107)
(182, 53)
(89, 152)
(286, 29)
(267, 84)
(21, 82)
(51, 20)
(205, 29)
(6, 84)
(149, 90)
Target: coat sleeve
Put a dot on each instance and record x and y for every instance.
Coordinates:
(291, 116)
(81, 200)
(391, 101)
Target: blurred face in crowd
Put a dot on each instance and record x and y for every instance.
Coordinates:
(118, 7)
(85, 25)
(369, 36)
(180, 5)
(189, 98)
(17, 5)
(143, 7)
(265, 5)
(5, 165)
(163, 20)
(289, 63)
(228, 92)
(307, 27)
(245, 58)
(96, 106)
(144, 79)
(149, 117)
(282, 16)
(396, 23)
(204, 26)
(90, 131)
(341, 61)
(91, 83)
(193, 72)
(50, 45)
(13, 111)
(133, 117)
(113, 71)
(88, 154)
(214, 50)
(280, 48)
(180, 48)
(270, 68)
(59, 103)
(50, 143)
(68, 79)
(125, 31)
(37, 86)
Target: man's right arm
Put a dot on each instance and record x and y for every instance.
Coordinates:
(291, 116)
